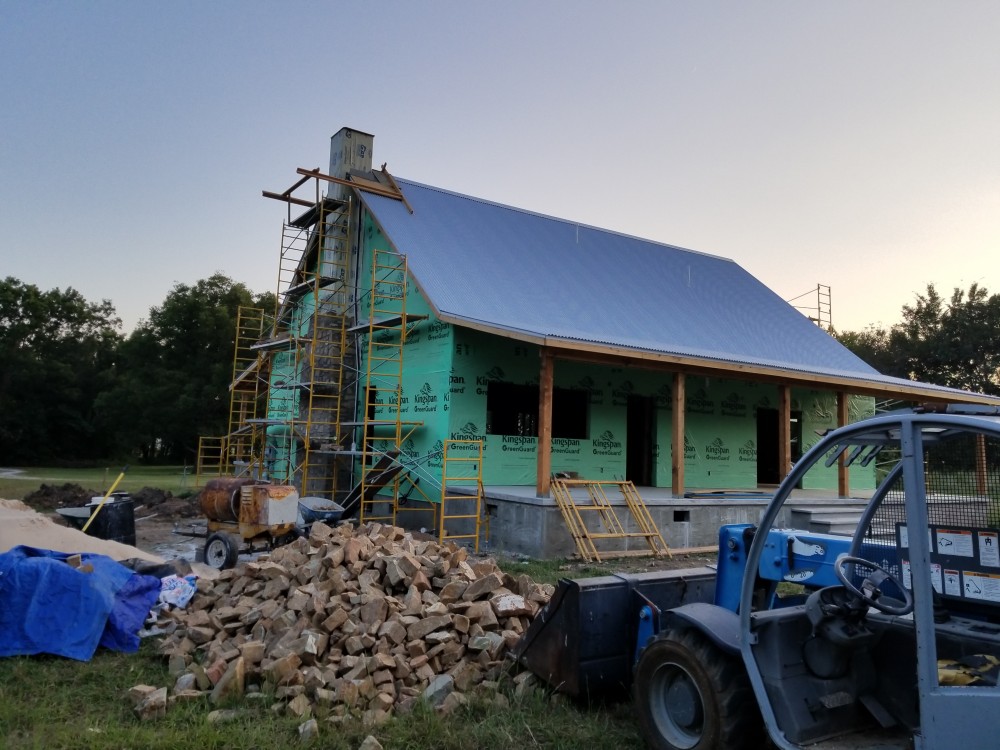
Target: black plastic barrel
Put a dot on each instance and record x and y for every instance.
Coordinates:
(116, 521)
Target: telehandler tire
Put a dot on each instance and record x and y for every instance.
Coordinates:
(691, 695)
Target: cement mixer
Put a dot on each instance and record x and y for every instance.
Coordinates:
(245, 515)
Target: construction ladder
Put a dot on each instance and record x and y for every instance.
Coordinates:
(574, 512)
(211, 458)
(462, 465)
(382, 427)
(325, 347)
(242, 448)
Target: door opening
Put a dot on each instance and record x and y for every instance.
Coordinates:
(768, 468)
(640, 451)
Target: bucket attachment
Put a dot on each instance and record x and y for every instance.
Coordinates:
(583, 642)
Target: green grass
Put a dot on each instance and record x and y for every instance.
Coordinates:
(550, 571)
(48, 702)
(99, 480)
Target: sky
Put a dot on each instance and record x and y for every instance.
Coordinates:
(848, 144)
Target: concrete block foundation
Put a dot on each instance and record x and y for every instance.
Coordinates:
(523, 524)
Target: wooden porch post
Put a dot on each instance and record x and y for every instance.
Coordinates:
(843, 472)
(677, 438)
(784, 431)
(545, 375)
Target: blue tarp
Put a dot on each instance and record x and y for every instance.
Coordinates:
(50, 607)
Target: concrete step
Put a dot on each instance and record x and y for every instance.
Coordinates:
(830, 517)
(839, 518)
(831, 509)
(843, 529)
(827, 514)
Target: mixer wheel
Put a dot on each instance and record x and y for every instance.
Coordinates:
(221, 550)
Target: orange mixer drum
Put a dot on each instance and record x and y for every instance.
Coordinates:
(220, 500)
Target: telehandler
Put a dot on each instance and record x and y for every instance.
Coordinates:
(887, 638)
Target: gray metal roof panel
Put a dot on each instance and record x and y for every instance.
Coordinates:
(540, 276)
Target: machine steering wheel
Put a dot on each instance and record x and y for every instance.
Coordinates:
(870, 592)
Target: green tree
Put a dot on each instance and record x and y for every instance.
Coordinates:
(872, 345)
(56, 349)
(952, 343)
(174, 370)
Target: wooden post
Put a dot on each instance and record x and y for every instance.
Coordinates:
(545, 390)
(677, 438)
(784, 431)
(843, 472)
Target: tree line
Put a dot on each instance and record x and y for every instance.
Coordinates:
(74, 388)
(953, 342)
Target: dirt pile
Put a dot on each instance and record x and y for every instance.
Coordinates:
(48, 497)
(150, 501)
(352, 621)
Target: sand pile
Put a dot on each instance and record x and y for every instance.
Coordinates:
(19, 524)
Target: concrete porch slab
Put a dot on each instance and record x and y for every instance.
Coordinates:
(520, 522)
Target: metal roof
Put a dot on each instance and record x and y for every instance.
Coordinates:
(526, 275)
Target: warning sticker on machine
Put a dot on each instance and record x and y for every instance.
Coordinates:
(904, 537)
(954, 542)
(963, 561)
(989, 550)
(936, 577)
(984, 586)
(952, 583)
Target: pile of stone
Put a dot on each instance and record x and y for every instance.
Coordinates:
(350, 621)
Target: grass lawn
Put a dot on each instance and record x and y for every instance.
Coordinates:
(49, 702)
(16, 482)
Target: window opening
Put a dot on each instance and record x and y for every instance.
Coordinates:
(512, 409)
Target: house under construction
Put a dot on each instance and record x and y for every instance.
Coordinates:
(437, 356)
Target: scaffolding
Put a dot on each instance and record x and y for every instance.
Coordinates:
(243, 447)
(294, 390)
(307, 349)
(383, 430)
(822, 312)
(238, 452)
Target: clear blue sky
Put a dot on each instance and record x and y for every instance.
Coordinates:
(855, 144)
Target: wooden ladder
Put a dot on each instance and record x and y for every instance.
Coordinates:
(575, 511)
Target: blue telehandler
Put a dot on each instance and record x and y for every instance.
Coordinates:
(887, 638)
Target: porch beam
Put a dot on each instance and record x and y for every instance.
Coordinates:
(617, 357)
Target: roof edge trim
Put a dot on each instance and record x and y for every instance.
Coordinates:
(579, 350)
